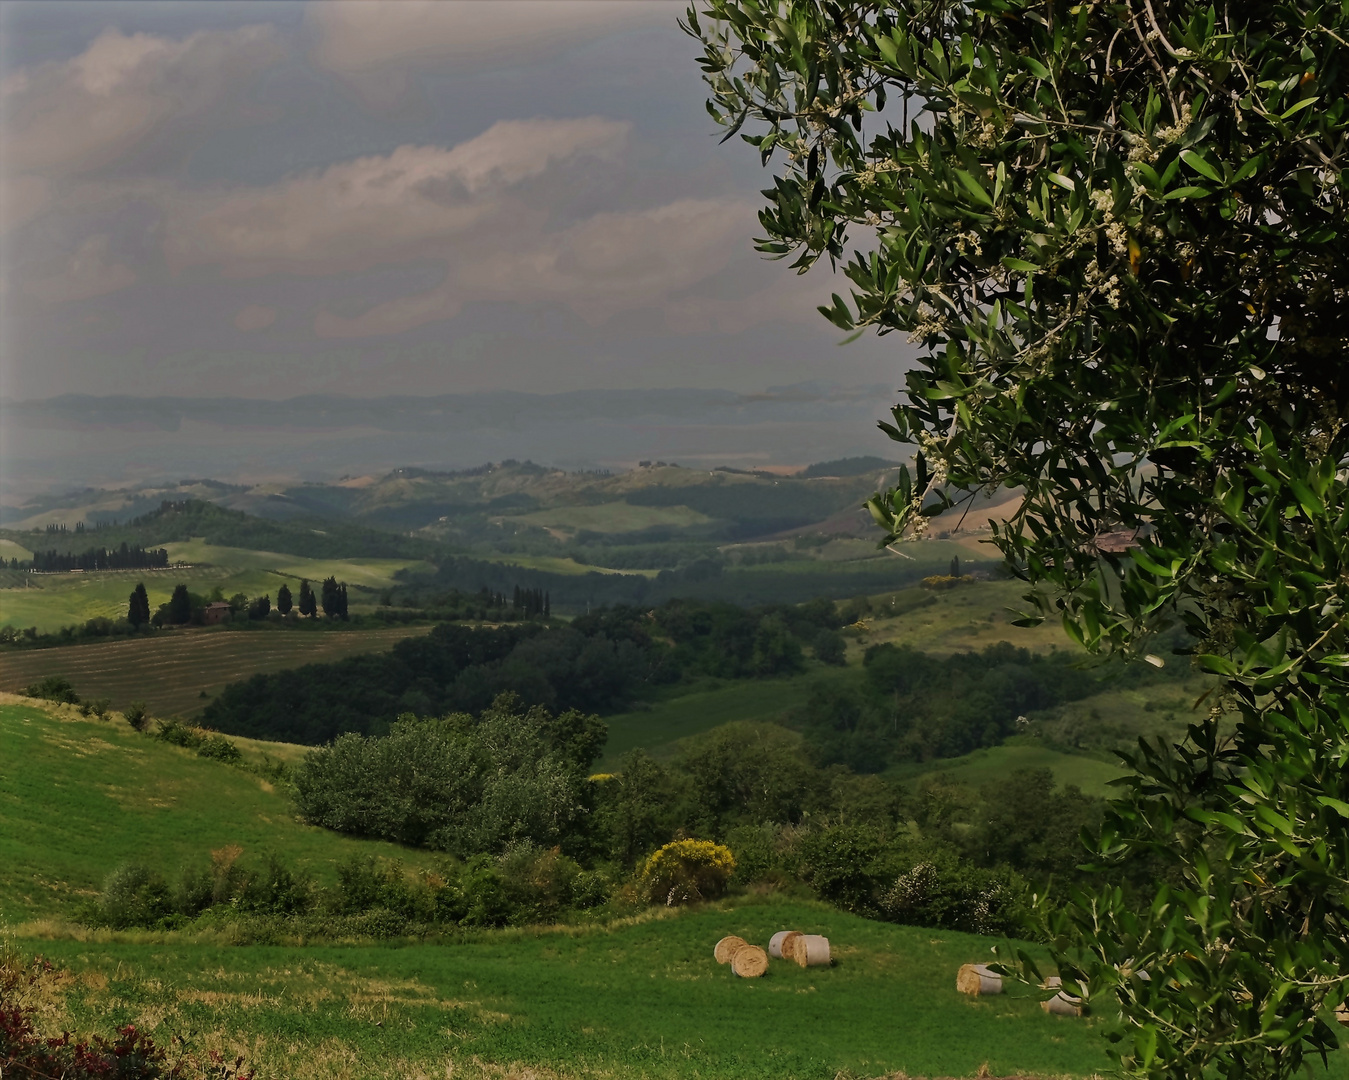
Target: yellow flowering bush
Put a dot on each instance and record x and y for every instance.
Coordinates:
(687, 870)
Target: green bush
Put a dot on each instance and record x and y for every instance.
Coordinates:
(134, 895)
(942, 892)
(135, 714)
(53, 688)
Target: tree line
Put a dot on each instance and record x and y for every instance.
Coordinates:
(599, 663)
(529, 832)
(123, 557)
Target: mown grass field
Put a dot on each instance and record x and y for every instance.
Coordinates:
(78, 797)
(637, 1000)
(169, 669)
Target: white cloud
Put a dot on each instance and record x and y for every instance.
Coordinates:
(77, 115)
(374, 46)
(610, 262)
(254, 317)
(405, 205)
(87, 273)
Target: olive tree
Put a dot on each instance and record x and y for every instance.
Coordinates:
(1116, 231)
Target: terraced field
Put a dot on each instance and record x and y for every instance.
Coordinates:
(169, 670)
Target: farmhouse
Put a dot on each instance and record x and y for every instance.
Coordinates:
(216, 612)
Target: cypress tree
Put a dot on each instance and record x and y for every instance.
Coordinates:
(283, 599)
(180, 606)
(308, 606)
(138, 608)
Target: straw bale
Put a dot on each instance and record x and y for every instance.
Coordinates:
(776, 943)
(749, 961)
(726, 948)
(977, 979)
(810, 950)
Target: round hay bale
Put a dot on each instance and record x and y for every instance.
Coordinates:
(726, 948)
(749, 961)
(775, 943)
(811, 950)
(977, 980)
(787, 946)
(1060, 1004)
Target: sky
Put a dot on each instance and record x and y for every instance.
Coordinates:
(416, 197)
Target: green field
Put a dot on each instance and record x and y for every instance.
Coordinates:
(662, 723)
(991, 765)
(637, 1000)
(51, 601)
(169, 670)
(78, 797)
(556, 564)
(612, 517)
(966, 618)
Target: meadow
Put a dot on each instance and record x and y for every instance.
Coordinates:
(642, 998)
(51, 601)
(78, 797)
(612, 517)
(658, 725)
(170, 670)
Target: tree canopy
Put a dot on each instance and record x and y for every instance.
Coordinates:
(1115, 231)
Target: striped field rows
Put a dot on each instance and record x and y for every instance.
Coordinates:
(170, 670)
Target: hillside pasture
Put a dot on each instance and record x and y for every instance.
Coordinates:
(637, 999)
(51, 601)
(612, 517)
(78, 797)
(992, 764)
(367, 573)
(659, 725)
(169, 669)
(967, 618)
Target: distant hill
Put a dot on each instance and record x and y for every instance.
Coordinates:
(848, 466)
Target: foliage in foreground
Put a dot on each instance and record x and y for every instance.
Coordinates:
(1117, 230)
(131, 1054)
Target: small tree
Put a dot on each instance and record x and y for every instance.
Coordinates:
(1116, 233)
(179, 608)
(308, 606)
(138, 607)
(259, 607)
(283, 599)
(332, 597)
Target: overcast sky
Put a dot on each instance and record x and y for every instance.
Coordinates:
(268, 199)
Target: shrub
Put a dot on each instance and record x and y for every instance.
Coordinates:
(53, 688)
(684, 871)
(219, 748)
(136, 715)
(754, 849)
(134, 895)
(830, 647)
(841, 865)
(277, 890)
(941, 892)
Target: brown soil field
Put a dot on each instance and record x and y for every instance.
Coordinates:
(169, 670)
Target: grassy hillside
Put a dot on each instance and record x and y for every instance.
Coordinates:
(169, 671)
(638, 1000)
(50, 601)
(78, 797)
(662, 723)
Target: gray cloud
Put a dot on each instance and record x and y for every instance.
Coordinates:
(376, 46)
(78, 115)
(411, 203)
